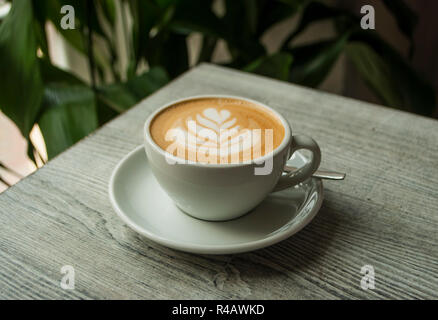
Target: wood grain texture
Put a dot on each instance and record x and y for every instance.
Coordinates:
(384, 214)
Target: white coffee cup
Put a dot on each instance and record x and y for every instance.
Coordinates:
(219, 192)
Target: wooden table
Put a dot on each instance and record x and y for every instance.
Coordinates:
(385, 214)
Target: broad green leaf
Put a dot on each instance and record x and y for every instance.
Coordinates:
(145, 15)
(406, 18)
(166, 3)
(417, 95)
(116, 96)
(273, 12)
(40, 32)
(274, 66)
(104, 112)
(75, 38)
(252, 15)
(314, 11)
(376, 73)
(83, 8)
(109, 10)
(237, 17)
(122, 96)
(68, 115)
(164, 18)
(196, 16)
(243, 42)
(50, 73)
(313, 63)
(168, 50)
(50, 10)
(148, 82)
(209, 27)
(20, 84)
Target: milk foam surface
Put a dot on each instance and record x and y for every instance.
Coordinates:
(217, 130)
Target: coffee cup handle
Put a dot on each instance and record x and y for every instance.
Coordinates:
(293, 178)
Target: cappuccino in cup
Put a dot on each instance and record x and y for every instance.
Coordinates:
(219, 156)
(217, 130)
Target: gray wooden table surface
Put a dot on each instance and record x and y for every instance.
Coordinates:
(385, 213)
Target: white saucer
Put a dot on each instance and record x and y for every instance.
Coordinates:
(143, 205)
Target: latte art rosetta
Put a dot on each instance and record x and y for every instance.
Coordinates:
(217, 131)
(212, 135)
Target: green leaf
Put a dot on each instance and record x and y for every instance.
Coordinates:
(406, 18)
(148, 82)
(20, 85)
(116, 96)
(273, 12)
(314, 11)
(313, 63)
(196, 16)
(51, 10)
(40, 32)
(109, 10)
(122, 96)
(69, 114)
(145, 15)
(50, 73)
(375, 72)
(104, 112)
(252, 15)
(244, 45)
(166, 3)
(238, 17)
(417, 95)
(274, 66)
(154, 40)
(81, 13)
(168, 50)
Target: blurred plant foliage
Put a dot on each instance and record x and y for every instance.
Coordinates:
(33, 90)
